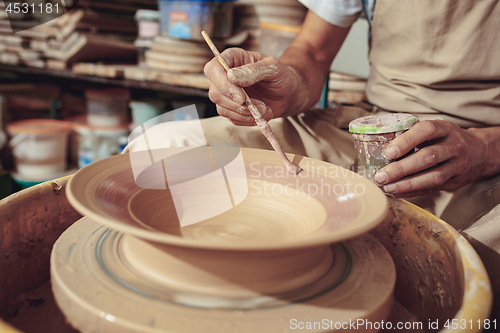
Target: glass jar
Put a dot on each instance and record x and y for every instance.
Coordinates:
(372, 135)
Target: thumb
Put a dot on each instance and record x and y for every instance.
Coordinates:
(266, 69)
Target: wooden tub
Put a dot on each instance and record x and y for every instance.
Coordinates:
(439, 275)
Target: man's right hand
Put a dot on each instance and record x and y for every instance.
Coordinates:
(270, 83)
(279, 88)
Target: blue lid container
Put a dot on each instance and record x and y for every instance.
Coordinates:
(186, 19)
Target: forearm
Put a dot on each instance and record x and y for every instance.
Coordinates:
(310, 56)
(311, 76)
(490, 136)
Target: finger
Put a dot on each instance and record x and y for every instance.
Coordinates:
(244, 114)
(242, 123)
(415, 193)
(236, 57)
(267, 69)
(219, 82)
(429, 181)
(248, 68)
(423, 131)
(221, 99)
(231, 115)
(264, 110)
(421, 160)
(225, 103)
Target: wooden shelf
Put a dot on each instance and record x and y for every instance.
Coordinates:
(128, 83)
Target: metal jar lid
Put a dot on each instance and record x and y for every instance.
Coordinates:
(387, 123)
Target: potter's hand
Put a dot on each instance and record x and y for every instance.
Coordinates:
(267, 81)
(451, 157)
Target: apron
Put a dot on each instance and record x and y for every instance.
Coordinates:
(440, 59)
(437, 59)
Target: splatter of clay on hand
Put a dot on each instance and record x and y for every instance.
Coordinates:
(248, 75)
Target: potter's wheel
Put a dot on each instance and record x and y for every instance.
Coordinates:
(234, 272)
(100, 290)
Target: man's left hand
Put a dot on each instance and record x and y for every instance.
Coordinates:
(450, 157)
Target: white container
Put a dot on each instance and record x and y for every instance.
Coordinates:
(146, 110)
(93, 143)
(39, 147)
(148, 23)
(107, 107)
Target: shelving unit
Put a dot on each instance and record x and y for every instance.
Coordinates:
(52, 85)
(59, 76)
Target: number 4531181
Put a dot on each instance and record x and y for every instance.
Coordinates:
(25, 8)
(470, 324)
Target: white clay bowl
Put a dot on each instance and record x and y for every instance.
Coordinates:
(323, 205)
(275, 240)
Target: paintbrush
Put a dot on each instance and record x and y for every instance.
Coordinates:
(261, 122)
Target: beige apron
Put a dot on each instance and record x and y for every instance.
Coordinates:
(441, 59)
(437, 58)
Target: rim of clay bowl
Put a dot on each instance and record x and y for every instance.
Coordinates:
(81, 195)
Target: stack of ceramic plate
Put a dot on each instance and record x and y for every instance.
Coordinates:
(36, 44)
(93, 31)
(283, 16)
(250, 12)
(112, 18)
(176, 55)
(346, 89)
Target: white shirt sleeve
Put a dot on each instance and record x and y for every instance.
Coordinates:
(342, 13)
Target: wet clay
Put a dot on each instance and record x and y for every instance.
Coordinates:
(284, 221)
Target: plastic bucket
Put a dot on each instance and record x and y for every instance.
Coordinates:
(39, 147)
(107, 107)
(91, 143)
